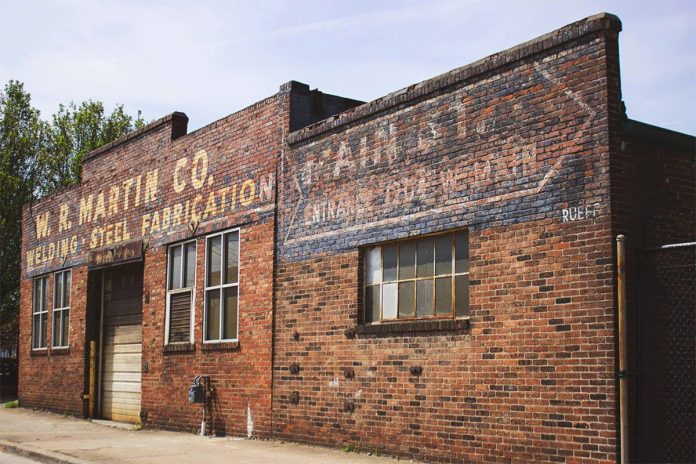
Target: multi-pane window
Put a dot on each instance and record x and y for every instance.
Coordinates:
(181, 281)
(417, 279)
(221, 286)
(39, 319)
(61, 308)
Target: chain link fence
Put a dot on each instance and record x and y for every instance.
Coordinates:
(667, 354)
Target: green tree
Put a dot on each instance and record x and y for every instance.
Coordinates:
(39, 157)
(23, 144)
(76, 131)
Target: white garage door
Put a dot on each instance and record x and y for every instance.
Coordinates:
(122, 344)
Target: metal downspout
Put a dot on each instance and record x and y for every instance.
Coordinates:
(623, 347)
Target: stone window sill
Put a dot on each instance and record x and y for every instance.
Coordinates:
(395, 328)
(60, 350)
(39, 352)
(180, 348)
(224, 346)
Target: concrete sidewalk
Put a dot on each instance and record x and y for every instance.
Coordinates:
(52, 438)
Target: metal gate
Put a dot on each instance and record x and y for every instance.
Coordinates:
(9, 343)
(666, 351)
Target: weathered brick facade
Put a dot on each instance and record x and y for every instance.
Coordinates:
(500, 147)
(241, 373)
(526, 150)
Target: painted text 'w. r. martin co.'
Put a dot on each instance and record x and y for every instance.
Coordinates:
(110, 215)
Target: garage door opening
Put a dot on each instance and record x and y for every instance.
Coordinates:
(121, 343)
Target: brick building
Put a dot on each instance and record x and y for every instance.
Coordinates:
(430, 274)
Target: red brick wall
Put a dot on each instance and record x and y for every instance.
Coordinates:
(241, 375)
(241, 148)
(659, 176)
(531, 381)
(54, 378)
(510, 148)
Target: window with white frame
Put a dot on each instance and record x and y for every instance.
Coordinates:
(181, 283)
(61, 308)
(221, 286)
(39, 319)
(419, 278)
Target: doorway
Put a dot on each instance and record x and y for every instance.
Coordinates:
(121, 342)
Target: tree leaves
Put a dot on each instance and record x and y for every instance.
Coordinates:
(38, 157)
(76, 131)
(23, 142)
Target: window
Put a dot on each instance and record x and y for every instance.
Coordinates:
(418, 279)
(221, 286)
(181, 281)
(61, 308)
(39, 313)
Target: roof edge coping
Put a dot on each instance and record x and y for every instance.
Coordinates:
(591, 24)
(179, 123)
(650, 132)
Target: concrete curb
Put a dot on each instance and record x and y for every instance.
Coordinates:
(45, 456)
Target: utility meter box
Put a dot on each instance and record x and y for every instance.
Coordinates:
(196, 394)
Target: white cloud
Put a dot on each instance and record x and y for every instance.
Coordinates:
(210, 58)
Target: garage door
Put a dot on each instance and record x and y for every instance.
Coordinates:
(122, 344)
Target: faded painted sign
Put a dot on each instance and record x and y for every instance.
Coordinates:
(579, 213)
(439, 163)
(145, 205)
(117, 254)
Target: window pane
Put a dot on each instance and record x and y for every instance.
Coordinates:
(37, 296)
(373, 265)
(58, 290)
(425, 258)
(389, 301)
(232, 257)
(67, 288)
(35, 326)
(214, 255)
(44, 330)
(44, 298)
(65, 326)
(190, 265)
(40, 295)
(443, 295)
(407, 294)
(212, 309)
(424, 298)
(372, 303)
(461, 284)
(230, 313)
(175, 267)
(443, 255)
(55, 337)
(461, 245)
(389, 256)
(407, 260)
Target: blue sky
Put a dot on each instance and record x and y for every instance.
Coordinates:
(211, 58)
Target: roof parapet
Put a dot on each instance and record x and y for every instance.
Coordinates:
(179, 124)
(589, 25)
